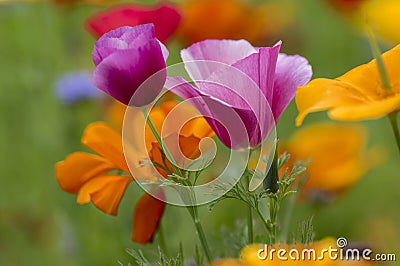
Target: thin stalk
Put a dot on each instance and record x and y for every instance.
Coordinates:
(250, 231)
(395, 127)
(193, 210)
(376, 51)
(273, 212)
(267, 228)
(161, 239)
(163, 147)
(287, 218)
(250, 225)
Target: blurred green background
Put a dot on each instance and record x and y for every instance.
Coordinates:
(42, 225)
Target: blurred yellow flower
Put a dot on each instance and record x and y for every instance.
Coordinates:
(381, 15)
(357, 95)
(249, 255)
(336, 153)
(232, 19)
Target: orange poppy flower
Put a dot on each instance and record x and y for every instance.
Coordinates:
(231, 19)
(336, 153)
(88, 175)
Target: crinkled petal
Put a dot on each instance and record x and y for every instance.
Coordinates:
(146, 217)
(226, 52)
(121, 38)
(106, 142)
(291, 72)
(105, 192)
(78, 168)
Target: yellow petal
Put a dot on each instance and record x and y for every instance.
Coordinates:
(369, 110)
(78, 168)
(105, 192)
(356, 95)
(106, 142)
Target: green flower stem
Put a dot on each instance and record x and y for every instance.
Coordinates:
(379, 61)
(267, 227)
(287, 218)
(395, 127)
(193, 210)
(273, 212)
(250, 231)
(250, 225)
(163, 147)
(161, 239)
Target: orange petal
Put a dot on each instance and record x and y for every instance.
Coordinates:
(337, 154)
(188, 147)
(78, 168)
(105, 192)
(146, 217)
(105, 141)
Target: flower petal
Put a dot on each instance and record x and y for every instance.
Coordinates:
(368, 110)
(323, 94)
(165, 18)
(78, 168)
(291, 72)
(105, 141)
(121, 73)
(105, 192)
(233, 126)
(226, 52)
(356, 95)
(121, 38)
(260, 67)
(146, 217)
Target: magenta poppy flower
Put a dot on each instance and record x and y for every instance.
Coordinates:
(241, 90)
(125, 58)
(165, 18)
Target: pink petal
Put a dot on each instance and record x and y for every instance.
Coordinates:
(223, 51)
(291, 72)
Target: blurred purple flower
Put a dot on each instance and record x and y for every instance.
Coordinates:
(125, 58)
(241, 90)
(76, 86)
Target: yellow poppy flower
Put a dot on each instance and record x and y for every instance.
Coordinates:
(87, 175)
(336, 153)
(357, 95)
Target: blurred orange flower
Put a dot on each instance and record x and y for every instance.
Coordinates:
(336, 153)
(232, 19)
(249, 255)
(87, 175)
(357, 95)
(346, 5)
